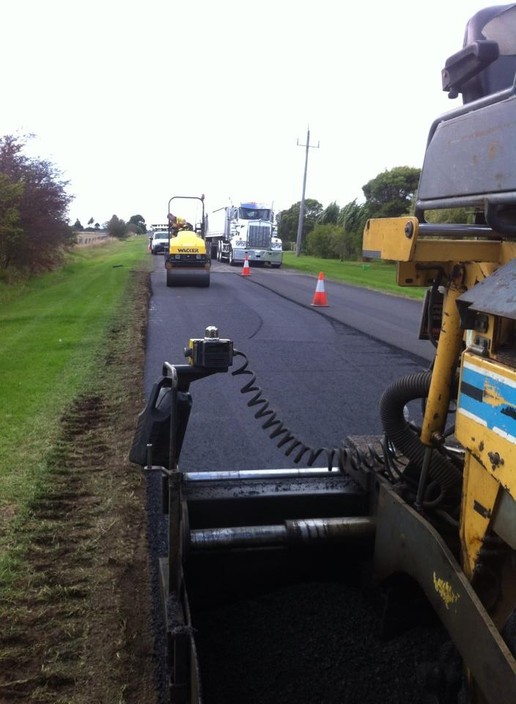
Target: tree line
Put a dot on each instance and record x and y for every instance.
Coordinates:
(35, 233)
(335, 232)
(115, 226)
(34, 230)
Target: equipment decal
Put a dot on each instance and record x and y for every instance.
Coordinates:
(445, 591)
(489, 399)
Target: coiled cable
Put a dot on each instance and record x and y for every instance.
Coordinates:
(291, 445)
(401, 439)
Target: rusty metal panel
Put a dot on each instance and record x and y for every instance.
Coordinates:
(406, 542)
(472, 154)
(495, 295)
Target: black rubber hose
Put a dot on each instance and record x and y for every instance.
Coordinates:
(406, 440)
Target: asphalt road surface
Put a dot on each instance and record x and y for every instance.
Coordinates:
(322, 370)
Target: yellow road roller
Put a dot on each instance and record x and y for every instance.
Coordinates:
(188, 261)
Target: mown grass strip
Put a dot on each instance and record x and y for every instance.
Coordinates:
(378, 275)
(52, 329)
(75, 604)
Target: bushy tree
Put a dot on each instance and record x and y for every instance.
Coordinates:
(137, 225)
(11, 233)
(391, 193)
(38, 202)
(117, 227)
(289, 220)
(330, 215)
(78, 225)
(451, 215)
(353, 218)
(345, 240)
(325, 241)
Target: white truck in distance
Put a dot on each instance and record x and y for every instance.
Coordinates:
(242, 231)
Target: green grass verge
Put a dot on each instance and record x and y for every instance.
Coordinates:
(378, 275)
(53, 331)
(53, 328)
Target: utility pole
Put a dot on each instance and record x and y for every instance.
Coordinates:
(302, 205)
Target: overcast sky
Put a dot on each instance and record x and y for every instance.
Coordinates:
(136, 102)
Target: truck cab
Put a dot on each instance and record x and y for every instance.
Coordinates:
(248, 232)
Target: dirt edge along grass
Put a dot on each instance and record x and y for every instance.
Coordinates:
(76, 620)
(40, 373)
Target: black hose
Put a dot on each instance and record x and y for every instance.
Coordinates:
(285, 440)
(407, 441)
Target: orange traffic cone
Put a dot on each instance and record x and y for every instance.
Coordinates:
(320, 294)
(246, 271)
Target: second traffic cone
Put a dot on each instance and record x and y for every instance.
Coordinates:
(246, 270)
(320, 298)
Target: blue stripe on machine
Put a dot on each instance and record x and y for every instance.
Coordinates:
(490, 399)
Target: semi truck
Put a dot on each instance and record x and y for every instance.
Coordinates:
(245, 231)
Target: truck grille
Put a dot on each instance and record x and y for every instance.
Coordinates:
(260, 236)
